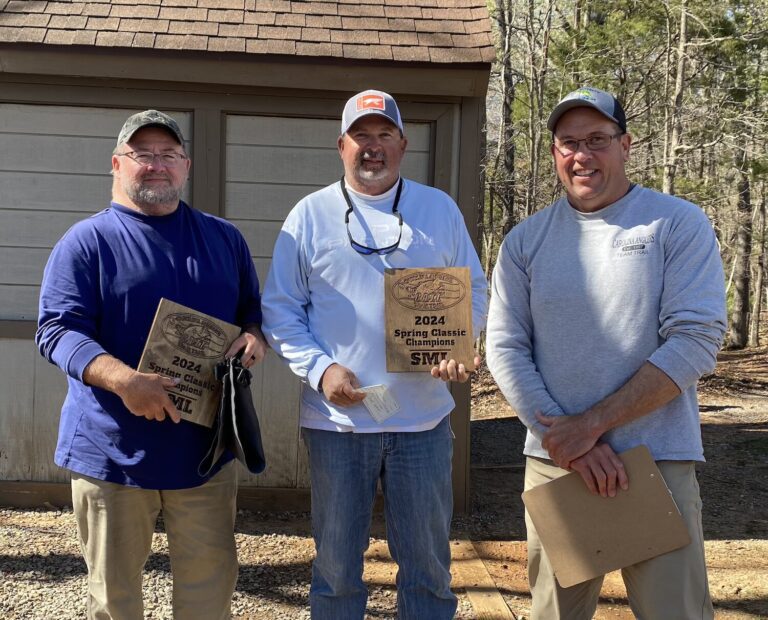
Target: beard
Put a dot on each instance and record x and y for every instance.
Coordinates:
(367, 176)
(371, 175)
(143, 194)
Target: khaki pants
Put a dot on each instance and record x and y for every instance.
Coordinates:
(672, 586)
(115, 524)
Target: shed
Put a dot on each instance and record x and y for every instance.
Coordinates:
(258, 87)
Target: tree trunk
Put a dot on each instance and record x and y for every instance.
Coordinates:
(740, 310)
(754, 328)
(506, 150)
(676, 120)
(539, 63)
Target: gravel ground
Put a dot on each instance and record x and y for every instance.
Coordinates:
(42, 574)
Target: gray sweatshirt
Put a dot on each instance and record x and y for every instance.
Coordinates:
(581, 300)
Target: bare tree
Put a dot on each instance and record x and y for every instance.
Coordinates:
(759, 276)
(740, 310)
(674, 119)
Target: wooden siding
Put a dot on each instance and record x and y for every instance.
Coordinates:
(29, 418)
(271, 162)
(442, 152)
(54, 171)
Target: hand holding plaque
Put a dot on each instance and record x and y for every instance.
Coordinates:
(186, 345)
(428, 318)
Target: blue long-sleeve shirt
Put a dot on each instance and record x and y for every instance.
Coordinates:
(100, 290)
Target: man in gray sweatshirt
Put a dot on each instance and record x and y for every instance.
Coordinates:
(606, 308)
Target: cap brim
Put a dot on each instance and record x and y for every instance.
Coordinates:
(381, 113)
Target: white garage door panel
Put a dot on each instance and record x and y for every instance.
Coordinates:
(263, 164)
(36, 229)
(18, 302)
(32, 391)
(23, 265)
(17, 437)
(54, 192)
(269, 201)
(73, 121)
(69, 154)
(51, 389)
(306, 132)
(415, 166)
(54, 171)
(276, 397)
(272, 131)
(260, 236)
(262, 269)
(271, 164)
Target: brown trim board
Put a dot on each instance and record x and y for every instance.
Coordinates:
(26, 494)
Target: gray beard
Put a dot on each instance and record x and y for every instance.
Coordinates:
(368, 176)
(143, 195)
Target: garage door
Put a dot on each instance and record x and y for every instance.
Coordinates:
(54, 171)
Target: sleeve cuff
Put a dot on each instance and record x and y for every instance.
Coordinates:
(81, 357)
(676, 366)
(314, 375)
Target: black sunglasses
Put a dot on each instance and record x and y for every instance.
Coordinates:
(364, 249)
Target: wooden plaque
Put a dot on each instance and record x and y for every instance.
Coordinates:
(428, 318)
(186, 345)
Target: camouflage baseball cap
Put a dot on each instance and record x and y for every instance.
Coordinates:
(149, 118)
(588, 97)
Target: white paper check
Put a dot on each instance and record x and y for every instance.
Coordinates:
(379, 402)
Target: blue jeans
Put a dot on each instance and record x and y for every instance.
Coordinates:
(415, 474)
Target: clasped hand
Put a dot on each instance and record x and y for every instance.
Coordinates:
(572, 444)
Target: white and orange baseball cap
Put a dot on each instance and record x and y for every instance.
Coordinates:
(370, 102)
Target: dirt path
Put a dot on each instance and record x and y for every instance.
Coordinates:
(42, 575)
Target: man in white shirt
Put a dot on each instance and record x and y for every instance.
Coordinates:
(323, 310)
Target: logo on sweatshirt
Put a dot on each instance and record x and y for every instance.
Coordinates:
(633, 245)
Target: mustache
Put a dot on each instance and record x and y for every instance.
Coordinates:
(156, 177)
(371, 156)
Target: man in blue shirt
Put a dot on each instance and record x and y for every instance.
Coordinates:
(119, 433)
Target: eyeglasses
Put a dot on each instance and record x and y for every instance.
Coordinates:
(364, 249)
(597, 142)
(147, 158)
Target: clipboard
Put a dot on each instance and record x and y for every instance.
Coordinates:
(586, 536)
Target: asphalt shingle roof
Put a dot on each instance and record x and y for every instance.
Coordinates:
(437, 31)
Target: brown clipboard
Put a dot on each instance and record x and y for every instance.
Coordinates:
(587, 535)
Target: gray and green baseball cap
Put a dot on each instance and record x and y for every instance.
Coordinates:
(588, 97)
(149, 118)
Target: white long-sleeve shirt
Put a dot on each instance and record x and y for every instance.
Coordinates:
(323, 302)
(581, 300)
